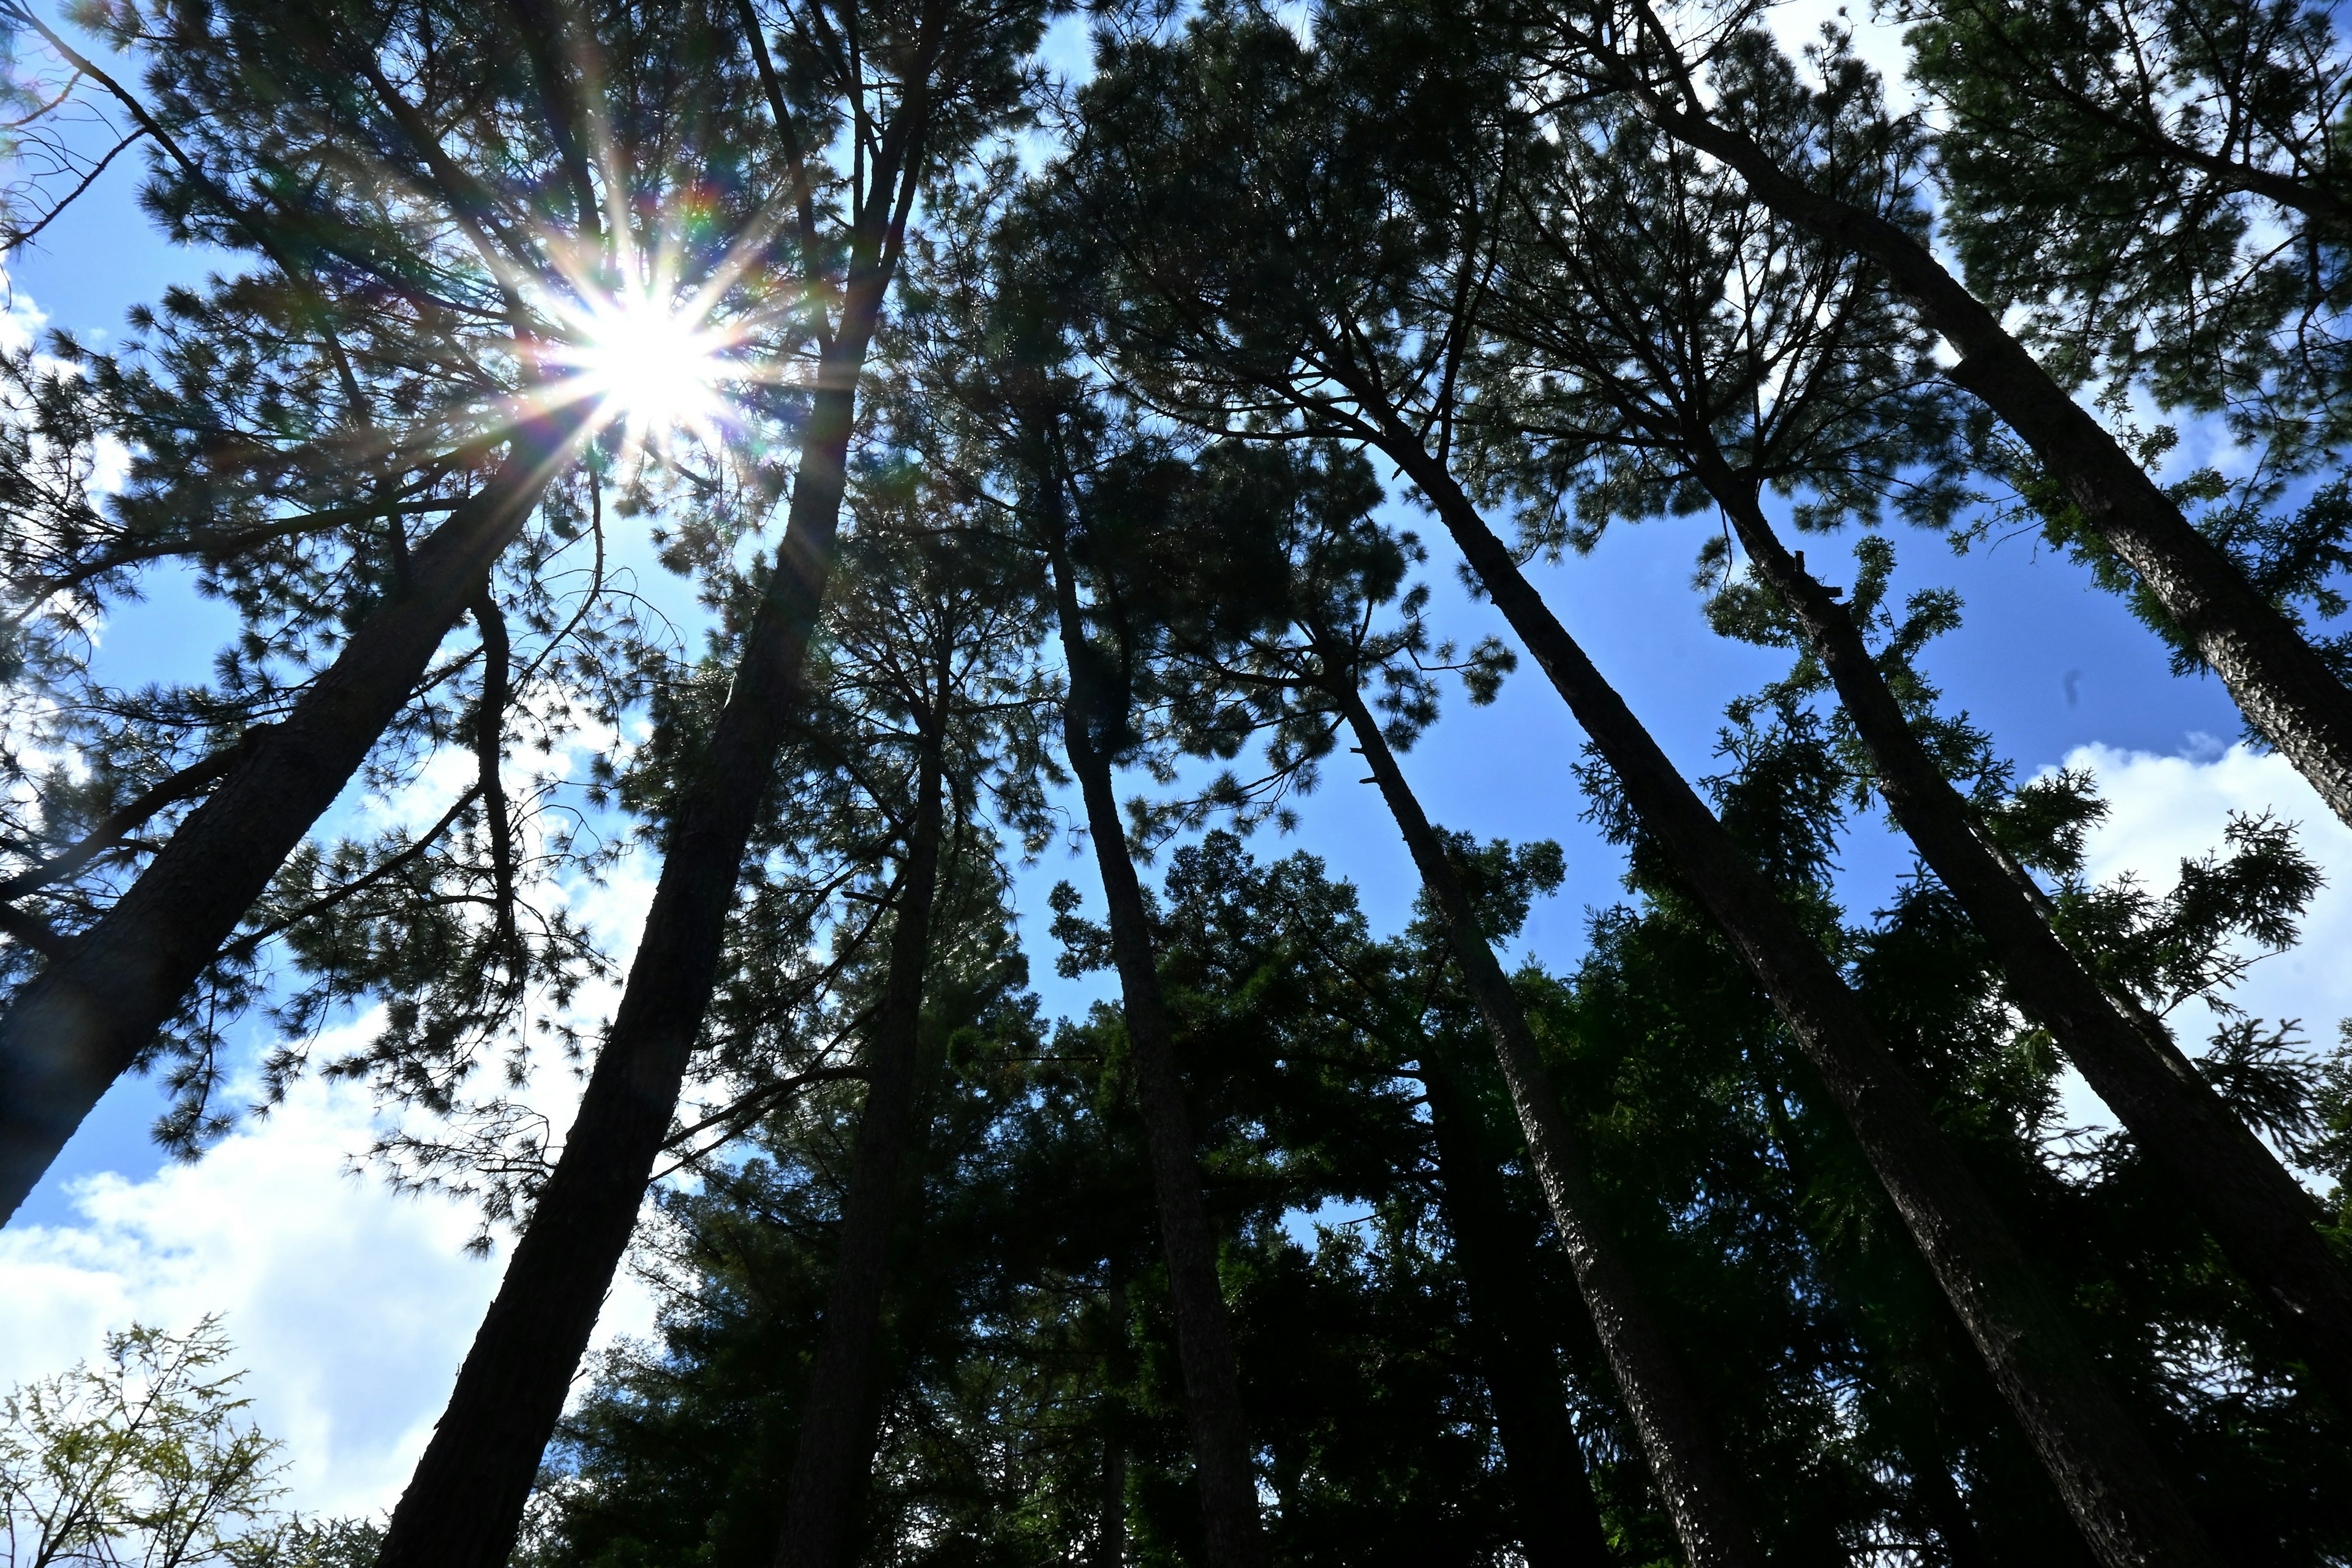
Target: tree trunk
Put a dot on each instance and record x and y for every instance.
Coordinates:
(490, 738)
(464, 1501)
(70, 1032)
(1666, 1412)
(835, 1449)
(2284, 687)
(2103, 1467)
(1212, 1399)
(1560, 1524)
(2262, 1217)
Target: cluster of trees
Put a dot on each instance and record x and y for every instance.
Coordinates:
(1054, 446)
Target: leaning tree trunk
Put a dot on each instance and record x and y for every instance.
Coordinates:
(465, 1502)
(1560, 1524)
(835, 1448)
(1212, 1399)
(1667, 1411)
(466, 1499)
(70, 1032)
(2291, 695)
(2103, 1467)
(2262, 1217)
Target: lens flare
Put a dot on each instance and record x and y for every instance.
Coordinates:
(653, 366)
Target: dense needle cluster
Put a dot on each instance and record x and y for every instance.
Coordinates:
(1015, 436)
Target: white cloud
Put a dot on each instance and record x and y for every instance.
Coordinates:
(2166, 809)
(350, 1307)
(21, 321)
(1877, 42)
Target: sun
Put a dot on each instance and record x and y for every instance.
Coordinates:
(653, 366)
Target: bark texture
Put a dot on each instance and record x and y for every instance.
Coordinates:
(1907, 1370)
(1683, 1455)
(2262, 1217)
(2280, 682)
(464, 1501)
(1559, 1524)
(1212, 1398)
(835, 1451)
(70, 1032)
(2102, 1465)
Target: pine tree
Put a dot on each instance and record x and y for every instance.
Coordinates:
(1817, 159)
(1361, 345)
(340, 308)
(948, 80)
(1689, 349)
(1089, 416)
(1323, 567)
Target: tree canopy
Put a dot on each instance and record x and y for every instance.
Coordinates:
(799, 465)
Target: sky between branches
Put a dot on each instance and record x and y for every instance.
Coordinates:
(352, 1306)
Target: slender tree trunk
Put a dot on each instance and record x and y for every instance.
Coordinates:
(835, 1450)
(70, 1032)
(1212, 1399)
(2280, 683)
(1111, 1538)
(2262, 1217)
(1667, 1412)
(464, 1501)
(1559, 1524)
(2103, 1467)
(490, 735)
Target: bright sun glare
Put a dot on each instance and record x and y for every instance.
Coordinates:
(653, 365)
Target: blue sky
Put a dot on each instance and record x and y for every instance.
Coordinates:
(353, 1307)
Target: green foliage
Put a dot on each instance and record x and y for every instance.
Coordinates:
(1654, 338)
(2162, 188)
(1165, 339)
(148, 1459)
(1683, 1024)
(1836, 1372)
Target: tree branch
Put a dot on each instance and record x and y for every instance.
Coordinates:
(117, 826)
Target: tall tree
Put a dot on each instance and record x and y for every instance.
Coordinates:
(935, 634)
(1683, 1452)
(2166, 186)
(1304, 1040)
(1669, 341)
(1331, 331)
(684, 1451)
(1821, 167)
(900, 92)
(1558, 1524)
(1094, 724)
(999, 352)
(2159, 190)
(1321, 568)
(395, 256)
